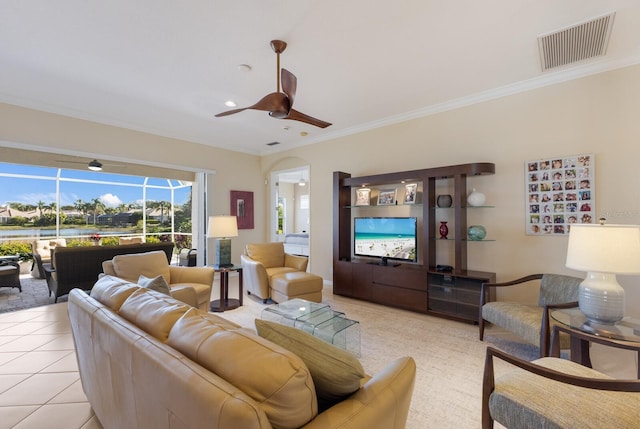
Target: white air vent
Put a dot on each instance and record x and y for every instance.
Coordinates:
(576, 43)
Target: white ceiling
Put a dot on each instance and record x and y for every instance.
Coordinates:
(167, 67)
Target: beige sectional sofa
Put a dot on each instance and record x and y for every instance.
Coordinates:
(147, 360)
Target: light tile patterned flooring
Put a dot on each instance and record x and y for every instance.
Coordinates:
(39, 380)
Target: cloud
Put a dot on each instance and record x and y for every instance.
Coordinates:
(110, 200)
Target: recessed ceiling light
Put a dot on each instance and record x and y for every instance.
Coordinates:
(230, 103)
(244, 67)
(304, 133)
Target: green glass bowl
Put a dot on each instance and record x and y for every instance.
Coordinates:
(476, 232)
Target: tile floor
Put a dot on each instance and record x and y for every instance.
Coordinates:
(39, 379)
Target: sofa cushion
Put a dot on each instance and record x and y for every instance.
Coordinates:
(113, 291)
(269, 254)
(153, 312)
(274, 377)
(158, 283)
(336, 373)
(149, 264)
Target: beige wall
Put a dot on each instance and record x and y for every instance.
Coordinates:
(597, 114)
(45, 132)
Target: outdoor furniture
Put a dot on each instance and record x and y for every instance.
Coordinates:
(79, 267)
(530, 321)
(187, 257)
(41, 251)
(10, 274)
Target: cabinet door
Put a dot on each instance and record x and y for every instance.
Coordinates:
(342, 278)
(361, 281)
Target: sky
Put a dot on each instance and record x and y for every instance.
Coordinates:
(30, 184)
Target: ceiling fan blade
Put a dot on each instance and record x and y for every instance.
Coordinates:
(294, 115)
(289, 85)
(275, 102)
(231, 112)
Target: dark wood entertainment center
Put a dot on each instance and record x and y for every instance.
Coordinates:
(416, 286)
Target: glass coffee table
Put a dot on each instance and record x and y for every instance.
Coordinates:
(624, 334)
(319, 320)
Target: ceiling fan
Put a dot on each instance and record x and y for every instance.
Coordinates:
(280, 104)
(94, 165)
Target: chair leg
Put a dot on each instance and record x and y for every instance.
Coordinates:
(481, 328)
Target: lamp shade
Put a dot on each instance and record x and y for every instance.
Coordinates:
(222, 226)
(604, 248)
(603, 251)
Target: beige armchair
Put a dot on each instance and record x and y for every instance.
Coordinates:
(529, 321)
(262, 261)
(191, 285)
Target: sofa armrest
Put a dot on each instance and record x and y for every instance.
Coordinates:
(107, 268)
(186, 294)
(202, 275)
(298, 263)
(382, 402)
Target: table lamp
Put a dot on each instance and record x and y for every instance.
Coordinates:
(221, 228)
(603, 251)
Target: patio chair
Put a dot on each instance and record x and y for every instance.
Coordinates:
(10, 274)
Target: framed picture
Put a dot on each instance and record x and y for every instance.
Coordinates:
(560, 191)
(363, 196)
(242, 208)
(410, 191)
(387, 197)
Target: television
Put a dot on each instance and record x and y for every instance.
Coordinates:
(386, 237)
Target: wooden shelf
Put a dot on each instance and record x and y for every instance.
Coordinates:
(407, 286)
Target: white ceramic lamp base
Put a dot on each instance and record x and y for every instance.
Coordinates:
(601, 298)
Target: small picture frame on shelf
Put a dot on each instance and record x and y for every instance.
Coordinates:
(410, 192)
(363, 196)
(387, 197)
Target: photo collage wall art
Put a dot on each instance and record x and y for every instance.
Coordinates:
(560, 191)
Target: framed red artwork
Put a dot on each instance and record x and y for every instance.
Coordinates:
(242, 208)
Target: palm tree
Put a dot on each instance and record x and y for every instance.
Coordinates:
(96, 204)
(40, 205)
(81, 206)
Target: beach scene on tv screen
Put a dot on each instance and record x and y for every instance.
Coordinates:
(386, 237)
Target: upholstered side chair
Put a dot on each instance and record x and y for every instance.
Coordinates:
(556, 393)
(530, 321)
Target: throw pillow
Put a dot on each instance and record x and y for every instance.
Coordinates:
(157, 283)
(336, 373)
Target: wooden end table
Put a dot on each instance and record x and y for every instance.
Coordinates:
(624, 334)
(225, 303)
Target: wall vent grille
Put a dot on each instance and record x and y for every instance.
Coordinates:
(576, 43)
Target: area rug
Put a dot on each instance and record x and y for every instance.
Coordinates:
(448, 354)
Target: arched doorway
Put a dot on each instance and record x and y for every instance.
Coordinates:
(290, 202)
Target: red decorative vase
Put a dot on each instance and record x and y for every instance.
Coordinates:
(444, 230)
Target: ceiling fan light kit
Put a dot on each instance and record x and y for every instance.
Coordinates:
(279, 104)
